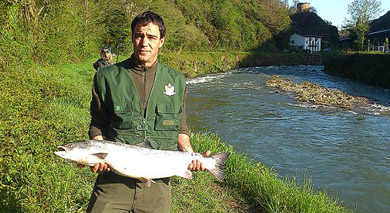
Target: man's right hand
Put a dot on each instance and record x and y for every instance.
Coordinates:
(100, 168)
(97, 168)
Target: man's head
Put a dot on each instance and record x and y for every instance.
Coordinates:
(106, 54)
(148, 34)
(149, 17)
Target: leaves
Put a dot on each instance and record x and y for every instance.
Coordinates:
(361, 12)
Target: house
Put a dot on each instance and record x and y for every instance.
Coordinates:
(378, 40)
(306, 42)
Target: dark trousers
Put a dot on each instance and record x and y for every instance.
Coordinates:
(116, 193)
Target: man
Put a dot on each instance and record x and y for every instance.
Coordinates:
(134, 101)
(104, 60)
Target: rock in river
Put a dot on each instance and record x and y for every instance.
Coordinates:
(313, 93)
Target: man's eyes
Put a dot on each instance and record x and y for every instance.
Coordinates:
(150, 37)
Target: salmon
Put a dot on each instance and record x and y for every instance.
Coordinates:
(138, 161)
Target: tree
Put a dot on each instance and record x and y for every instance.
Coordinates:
(285, 2)
(361, 12)
(313, 10)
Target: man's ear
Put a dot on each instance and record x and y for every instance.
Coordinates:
(161, 42)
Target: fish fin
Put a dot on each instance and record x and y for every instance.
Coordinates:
(147, 181)
(145, 144)
(187, 174)
(101, 155)
(218, 171)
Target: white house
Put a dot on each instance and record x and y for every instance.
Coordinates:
(306, 42)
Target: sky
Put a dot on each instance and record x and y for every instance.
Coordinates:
(336, 11)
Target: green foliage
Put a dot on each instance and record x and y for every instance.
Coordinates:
(12, 51)
(361, 12)
(181, 36)
(236, 25)
(358, 35)
(273, 14)
(368, 67)
(42, 108)
(55, 32)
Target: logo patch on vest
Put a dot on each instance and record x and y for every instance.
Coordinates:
(117, 108)
(169, 90)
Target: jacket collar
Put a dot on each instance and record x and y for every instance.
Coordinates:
(139, 69)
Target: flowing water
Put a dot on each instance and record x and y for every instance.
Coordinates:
(344, 152)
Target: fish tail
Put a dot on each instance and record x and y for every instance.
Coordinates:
(220, 160)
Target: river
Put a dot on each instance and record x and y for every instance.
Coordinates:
(344, 152)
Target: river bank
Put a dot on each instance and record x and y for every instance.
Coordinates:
(341, 149)
(200, 63)
(373, 69)
(369, 68)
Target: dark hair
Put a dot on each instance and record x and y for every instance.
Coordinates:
(149, 17)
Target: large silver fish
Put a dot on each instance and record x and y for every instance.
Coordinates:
(139, 162)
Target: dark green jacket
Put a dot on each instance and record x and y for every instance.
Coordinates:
(160, 125)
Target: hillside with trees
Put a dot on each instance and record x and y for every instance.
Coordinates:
(311, 23)
(54, 32)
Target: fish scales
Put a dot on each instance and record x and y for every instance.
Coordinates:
(139, 162)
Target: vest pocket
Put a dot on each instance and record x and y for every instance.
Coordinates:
(122, 117)
(168, 117)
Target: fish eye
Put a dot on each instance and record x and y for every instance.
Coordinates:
(61, 149)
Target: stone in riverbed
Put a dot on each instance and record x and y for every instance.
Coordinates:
(313, 93)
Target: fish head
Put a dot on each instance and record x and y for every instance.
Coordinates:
(82, 152)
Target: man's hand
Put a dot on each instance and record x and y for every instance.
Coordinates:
(97, 168)
(100, 168)
(183, 143)
(196, 165)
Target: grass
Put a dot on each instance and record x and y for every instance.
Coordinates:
(43, 107)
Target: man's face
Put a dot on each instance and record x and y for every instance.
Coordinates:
(146, 42)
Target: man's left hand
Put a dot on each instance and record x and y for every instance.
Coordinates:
(196, 165)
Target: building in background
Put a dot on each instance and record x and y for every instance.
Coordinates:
(375, 41)
(303, 7)
(306, 42)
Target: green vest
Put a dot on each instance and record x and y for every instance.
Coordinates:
(161, 123)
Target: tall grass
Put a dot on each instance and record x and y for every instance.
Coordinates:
(45, 107)
(40, 109)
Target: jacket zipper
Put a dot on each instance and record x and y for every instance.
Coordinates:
(145, 104)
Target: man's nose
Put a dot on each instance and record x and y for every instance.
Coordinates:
(144, 41)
